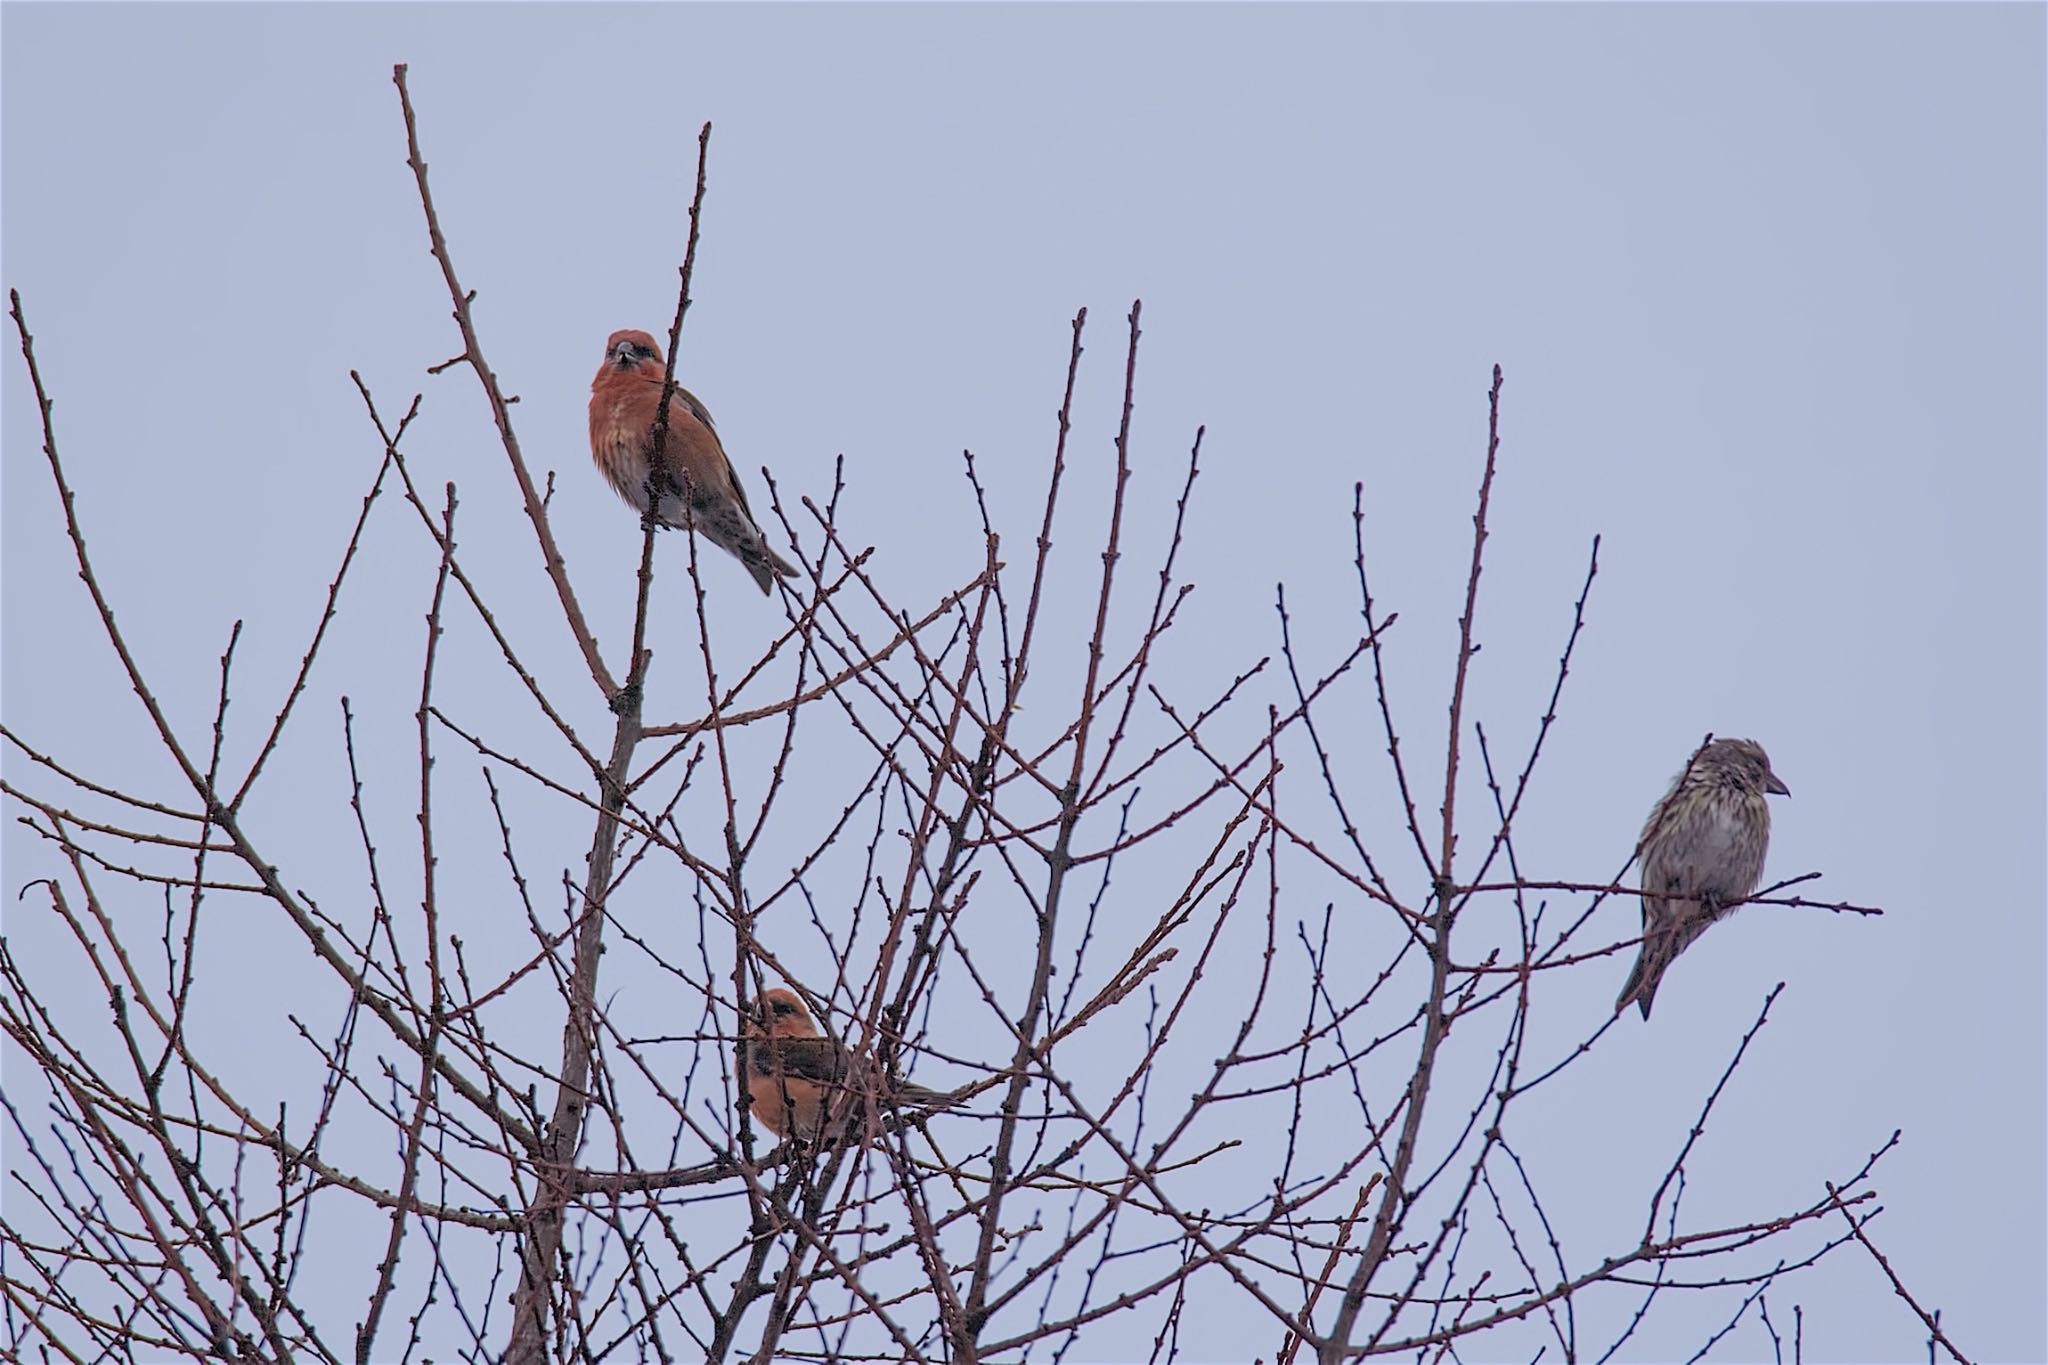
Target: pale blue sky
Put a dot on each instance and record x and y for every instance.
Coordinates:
(1767, 284)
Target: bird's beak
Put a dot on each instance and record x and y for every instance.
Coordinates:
(622, 356)
(1774, 786)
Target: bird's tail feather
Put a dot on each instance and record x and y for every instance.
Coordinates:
(920, 1097)
(766, 565)
(1641, 986)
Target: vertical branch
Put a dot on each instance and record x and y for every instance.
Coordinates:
(1060, 859)
(543, 1240)
(564, 1133)
(184, 973)
(387, 1270)
(1374, 633)
(1052, 498)
(1466, 649)
(675, 328)
(1394, 1198)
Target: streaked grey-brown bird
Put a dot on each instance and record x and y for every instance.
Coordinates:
(801, 1084)
(1701, 853)
(696, 486)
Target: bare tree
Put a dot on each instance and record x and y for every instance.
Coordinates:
(1056, 912)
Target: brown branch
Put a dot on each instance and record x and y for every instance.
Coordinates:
(225, 819)
(501, 410)
(540, 1251)
(1932, 1322)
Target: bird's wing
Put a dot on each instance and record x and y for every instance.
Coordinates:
(1660, 814)
(697, 408)
(803, 1059)
(703, 415)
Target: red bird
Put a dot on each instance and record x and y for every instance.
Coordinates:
(801, 1084)
(696, 487)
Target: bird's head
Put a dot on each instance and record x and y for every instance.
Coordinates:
(1746, 760)
(630, 349)
(781, 1013)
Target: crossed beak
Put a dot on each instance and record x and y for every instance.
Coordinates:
(622, 355)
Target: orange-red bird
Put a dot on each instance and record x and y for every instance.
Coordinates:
(801, 1084)
(697, 487)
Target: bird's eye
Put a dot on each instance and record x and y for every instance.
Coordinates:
(644, 352)
(784, 1007)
